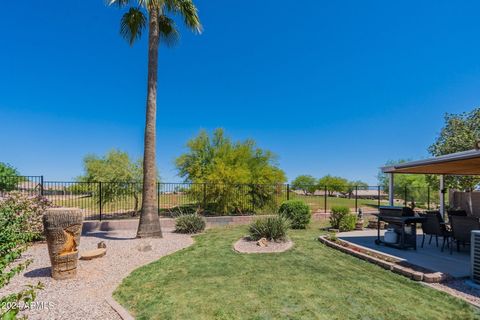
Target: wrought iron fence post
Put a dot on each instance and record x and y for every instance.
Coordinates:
(204, 196)
(253, 198)
(158, 197)
(288, 191)
(100, 199)
(325, 199)
(41, 185)
(428, 197)
(356, 198)
(378, 187)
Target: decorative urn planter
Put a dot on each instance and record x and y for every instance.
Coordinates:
(359, 224)
(63, 227)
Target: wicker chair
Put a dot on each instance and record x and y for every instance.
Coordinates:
(434, 226)
(461, 229)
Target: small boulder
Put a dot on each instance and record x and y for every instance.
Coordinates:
(101, 245)
(262, 242)
(144, 247)
(92, 254)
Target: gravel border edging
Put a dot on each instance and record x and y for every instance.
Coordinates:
(118, 308)
(452, 292)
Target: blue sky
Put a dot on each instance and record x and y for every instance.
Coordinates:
(335, 87)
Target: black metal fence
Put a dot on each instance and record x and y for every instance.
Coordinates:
(108, 200)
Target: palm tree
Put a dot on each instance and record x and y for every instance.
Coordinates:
(161, 28)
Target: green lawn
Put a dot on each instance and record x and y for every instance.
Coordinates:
(311, 281)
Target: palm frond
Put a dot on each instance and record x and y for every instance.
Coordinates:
(187, 9)
(132, 24)
(118, 3)
(167, 31)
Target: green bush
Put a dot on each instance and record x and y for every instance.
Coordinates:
(273, 228)
(342, 219)
(337, 213)
(19, 225)
(347, 223)
(189, 223)
(31, 208)
(297, 211)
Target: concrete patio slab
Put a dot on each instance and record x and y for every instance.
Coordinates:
(456, 264)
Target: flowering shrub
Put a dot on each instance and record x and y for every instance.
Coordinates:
(20, 223)
(30, 207)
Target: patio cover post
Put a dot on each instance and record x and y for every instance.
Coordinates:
(390, 188)
(442, 195)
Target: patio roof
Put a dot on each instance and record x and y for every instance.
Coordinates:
(460, 163)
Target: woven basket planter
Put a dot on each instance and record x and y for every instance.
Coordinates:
(63, 228)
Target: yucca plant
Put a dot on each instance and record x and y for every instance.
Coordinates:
(272, 228)
(189, 223)
(161, 28)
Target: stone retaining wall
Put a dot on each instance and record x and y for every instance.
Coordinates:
(132, 224)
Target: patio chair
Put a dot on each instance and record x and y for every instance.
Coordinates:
(434, 226)
(461, 229)
(456, 212)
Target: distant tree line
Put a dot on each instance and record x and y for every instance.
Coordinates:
(332, 184)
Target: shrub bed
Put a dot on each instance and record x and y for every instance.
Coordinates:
(272, 228)
(189, 223)
(297, 211)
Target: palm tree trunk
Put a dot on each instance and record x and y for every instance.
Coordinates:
(149, 225)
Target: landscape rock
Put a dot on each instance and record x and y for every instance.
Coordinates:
(101, 244)
(92, 254)
(144, 247)
(262, 242)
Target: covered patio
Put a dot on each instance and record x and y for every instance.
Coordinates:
(465, 163)
(455, 264)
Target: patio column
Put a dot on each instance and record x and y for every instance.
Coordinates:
(390, 189)
(442, 195)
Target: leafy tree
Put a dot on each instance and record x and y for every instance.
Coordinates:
(224, 165)
(460, 133)
(355, 184)
(306, 183)
(333, 184)
(161, 28)
(415, 186)
(121, 175)
(9, 177)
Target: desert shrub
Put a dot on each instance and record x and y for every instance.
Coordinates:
(342, 219)
(273, 228)
(336, 215)
(189, 223)
(297, 211)
(19, 216)
(347, 223)
(31, 208)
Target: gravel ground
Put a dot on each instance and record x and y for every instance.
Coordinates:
(460, 289)
(84, 296)
(245, 245)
